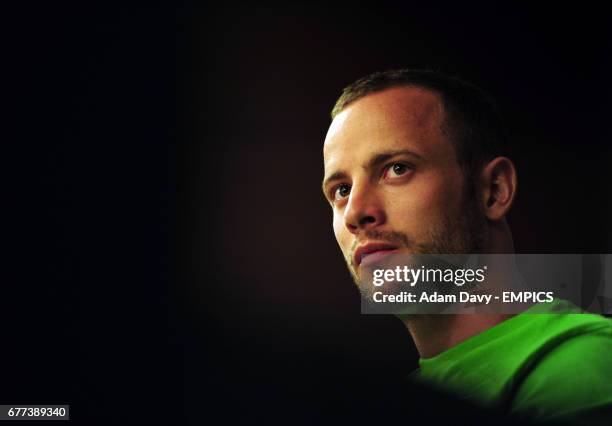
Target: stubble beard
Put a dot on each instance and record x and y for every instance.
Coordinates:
(459, 233)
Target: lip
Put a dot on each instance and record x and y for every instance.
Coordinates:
(374, 250)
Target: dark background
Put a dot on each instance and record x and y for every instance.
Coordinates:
(171, 258)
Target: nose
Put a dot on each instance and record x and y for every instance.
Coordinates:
(364, 210)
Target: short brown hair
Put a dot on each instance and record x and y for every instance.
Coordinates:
(471, 118)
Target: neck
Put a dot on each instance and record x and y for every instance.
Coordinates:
(434, 334)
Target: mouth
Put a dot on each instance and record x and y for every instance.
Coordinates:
(371, 252)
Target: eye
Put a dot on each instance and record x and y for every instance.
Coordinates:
(341, 191)
(397, 169)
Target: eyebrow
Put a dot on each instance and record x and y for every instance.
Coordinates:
(374, 161)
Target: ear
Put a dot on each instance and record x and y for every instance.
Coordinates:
(498, 180)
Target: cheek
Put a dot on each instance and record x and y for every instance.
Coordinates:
(425, 204)
(340, 231)
(438, 197)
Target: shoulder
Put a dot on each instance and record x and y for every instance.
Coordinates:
(572, 376)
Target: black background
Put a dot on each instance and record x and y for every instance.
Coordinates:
(170, 256)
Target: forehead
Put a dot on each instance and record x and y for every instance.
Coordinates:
(396, 118)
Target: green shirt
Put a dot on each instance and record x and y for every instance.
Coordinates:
(555, 365)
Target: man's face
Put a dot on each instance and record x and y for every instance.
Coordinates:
(393, 180)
